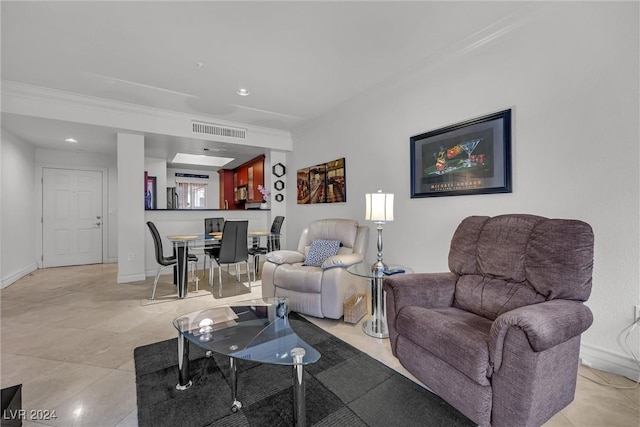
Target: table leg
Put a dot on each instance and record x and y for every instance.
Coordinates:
(299, 406)
(175, 266)
(377, 325)
(184, 380)
(233, 373)
(182, 256)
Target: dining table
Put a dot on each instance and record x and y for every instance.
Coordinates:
(181, 243)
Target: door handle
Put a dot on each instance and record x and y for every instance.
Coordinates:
(98, 224)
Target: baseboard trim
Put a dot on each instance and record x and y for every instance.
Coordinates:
(130, 278)
(608, 361)
(6, 281)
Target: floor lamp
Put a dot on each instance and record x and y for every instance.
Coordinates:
(379, 209)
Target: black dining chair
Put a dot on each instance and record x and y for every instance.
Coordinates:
(163, 261)
(211, 245)
(233, 251)
(213, 225)
(273, 243)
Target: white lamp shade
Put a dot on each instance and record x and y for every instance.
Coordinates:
(379, 207)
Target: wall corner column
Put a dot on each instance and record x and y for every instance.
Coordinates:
(131, 226)
(277, 207)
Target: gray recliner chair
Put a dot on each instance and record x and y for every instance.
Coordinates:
(498, 337)
(318, 291)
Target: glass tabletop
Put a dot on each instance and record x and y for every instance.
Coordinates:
(217, 235)
(189, 237)
(256, 329)
(364, 270)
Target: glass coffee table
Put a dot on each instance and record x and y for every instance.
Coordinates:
(256, 330)
(377, 326)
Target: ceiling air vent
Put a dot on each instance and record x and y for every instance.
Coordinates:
(204, 128)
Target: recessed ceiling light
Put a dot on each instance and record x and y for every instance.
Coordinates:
(243, 92)
(71, 140)
(200, 159)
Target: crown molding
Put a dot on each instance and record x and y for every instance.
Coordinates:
(37, 101)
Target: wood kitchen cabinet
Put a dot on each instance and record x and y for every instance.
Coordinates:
(226, 188)
(258, 179)
(242, 176)
(242, 182)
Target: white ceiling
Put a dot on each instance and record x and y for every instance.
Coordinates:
(298, 59)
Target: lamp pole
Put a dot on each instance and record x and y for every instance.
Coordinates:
(378, 266)
(379, 208)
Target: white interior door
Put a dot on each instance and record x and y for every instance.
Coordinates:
(71, 217)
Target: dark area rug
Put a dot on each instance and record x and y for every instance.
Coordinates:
(344, 388)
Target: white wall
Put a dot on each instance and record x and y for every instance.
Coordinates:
(18, 209)
(570, 72)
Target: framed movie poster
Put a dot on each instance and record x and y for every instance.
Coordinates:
(473, 157)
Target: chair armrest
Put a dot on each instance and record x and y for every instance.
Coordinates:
(423, 289)
(342, 260)
(427, 290)
(285, 257)
(545, 324)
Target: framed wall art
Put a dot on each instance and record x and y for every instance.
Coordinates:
(323, 183)
(302, 184)
(472, 157)
(318, 183)
(150, 197)
(278, 170)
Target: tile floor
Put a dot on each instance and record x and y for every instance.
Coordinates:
(68, 335)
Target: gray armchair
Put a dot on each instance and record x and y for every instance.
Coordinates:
(498, 336)
(317, 291)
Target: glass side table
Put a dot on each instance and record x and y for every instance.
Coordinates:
(377, 325)
(256, 330)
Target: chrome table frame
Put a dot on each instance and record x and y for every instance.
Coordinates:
(377, 325)
(267, 337)
(181, 247)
